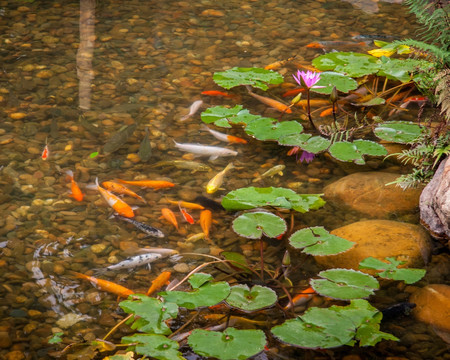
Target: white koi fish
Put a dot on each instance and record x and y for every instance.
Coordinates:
(136, 261)
(203, 150)
(192, 110)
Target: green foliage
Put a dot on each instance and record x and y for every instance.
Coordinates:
(255, 77)
(333, 327)
(354, 151)
(154, 346)
(270, 129)
(237, 260)
(402, 132)
(390, 270)
(348, 63)
(317, 241)
(344, 284)
(440, 55)
(223, 117)
(307, 142)
(256, 298)
(253, 225)
(254, 197)
(231, 344)
(402, 69)
(330, 79)
(56, 338)
(443, 92)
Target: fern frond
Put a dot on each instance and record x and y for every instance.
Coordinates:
(435, 52)
(443, 92)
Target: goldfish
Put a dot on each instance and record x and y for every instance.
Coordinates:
(328, 44)
(139, 260)
(192, 110)
(121, 189)
(313, 102)
(293, 92)
(270, 102)
(186, 215)
(277, 169)
(169, 216)
(120, 206)
(195, 237)
(106, 285)
(76, 192)
(205, 222)
(183, 164)
(302, 298)
(218, 93)
(155, 184)
(326, 112)
(45, 152)
(188, 205)
(203, 150)
(149, 230)
(161, 280)
(224, 137)
(215, 183)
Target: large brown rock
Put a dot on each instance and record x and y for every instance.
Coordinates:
(368, 193)
(380, 239)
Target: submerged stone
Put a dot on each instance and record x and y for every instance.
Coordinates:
(368, 193)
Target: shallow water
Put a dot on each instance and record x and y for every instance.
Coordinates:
(146, 64)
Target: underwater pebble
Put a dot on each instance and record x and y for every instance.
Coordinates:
(181, 268)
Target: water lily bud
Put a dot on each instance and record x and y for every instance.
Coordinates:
(286, 259)
(296, 99)
(334, 95)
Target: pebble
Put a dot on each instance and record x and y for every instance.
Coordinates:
(182, 268)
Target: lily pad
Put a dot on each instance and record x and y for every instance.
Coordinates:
(271, 129)
(402, 132)
(345, 151)
(330, 79)
(294, 139)
(231, 344)
(223, 117)
(256, 77)
(317, 241)
(237, 260)
(367, 147)
(253, 225)
(154, 346)
(345, 284)
(390, 269)
(259, 297)
(315, 144)
(348, 63)
(401, 69)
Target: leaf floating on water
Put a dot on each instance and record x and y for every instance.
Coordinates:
(93, 155)
(119, 139)
(145, 149)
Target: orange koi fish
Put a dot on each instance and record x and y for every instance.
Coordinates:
(313, 102)
(106, 285)
(301, 298)
(169, 216)
(186, 215)
(121, 189)
(161, 280)
(205, 222)
(76, 192)
(270, 102)
(293, 92)
(155, 184)
(120, 206)
(45, 152)
(326, 112)
(218, 93)
(188, 205)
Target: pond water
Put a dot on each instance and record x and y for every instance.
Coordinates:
(146, 62)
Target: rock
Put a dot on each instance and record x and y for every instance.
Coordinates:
(5, 340)
(380, 239)
(433, 307)
(367, 193)
(435, 203)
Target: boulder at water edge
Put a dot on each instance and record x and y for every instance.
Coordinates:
(433, 307)
(368, 193)
(380, 239)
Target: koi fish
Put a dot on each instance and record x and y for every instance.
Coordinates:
(169, 216)
(192, 110)
(301, 298)
(202, 150)
(155, 184)
(218, 93)
(196, 237)
(183, 164)
(209, 203)
(121, 189)
(106, 285)
(135, 261)
(120, 206)
(76, 192)
(205, 222)
(224, 137)
(215, 183)
(313, 102)
(161, 280)
(326, 112)
(188, 205)
(293, 92)
(277, 169)
(270, 102)
(186, 215)
(149, 230)
(328, 44)
(45, 152)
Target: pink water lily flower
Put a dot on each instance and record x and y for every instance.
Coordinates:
(310, 78)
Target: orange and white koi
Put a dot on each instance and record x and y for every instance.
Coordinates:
(155, 184)
(45, 153)
(192, 110)
(216, 182)
(169, 216)
(185, 204)
(121, 189)
(120, 206)
(205, 222)
(161, 280)
(76, 192)
(186, 215)
(106, 285)
(219, 93)
(301, 298)
(139, 260)
(224, 137)
(270, 102)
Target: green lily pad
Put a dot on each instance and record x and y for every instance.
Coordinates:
(154, 346)
(390, 270)
(294, 139)
(253, 197)
(150, 314)
(315, 144)
(330, 79)
(259, 297)
(256, 77)
(317, 241)
(232, 344)
(401, 69)
(237, 260)
(367, 147)
(224, 117)
(402, 132)
(345, 284)
(347, 63)
(253, 225)
(271, 129)
(345, 151)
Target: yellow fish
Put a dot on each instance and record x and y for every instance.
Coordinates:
(215, 183)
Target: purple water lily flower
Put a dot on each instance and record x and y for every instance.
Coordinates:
(306, 157)
(310, 78)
